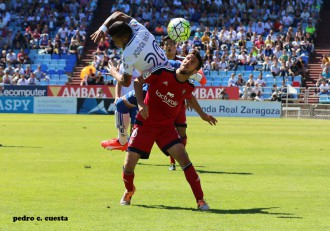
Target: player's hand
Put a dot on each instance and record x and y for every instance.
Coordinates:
(97, 36)
(144, 111)
(111, 69)
(210, 119)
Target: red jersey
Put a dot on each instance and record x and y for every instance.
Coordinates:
(165, 96)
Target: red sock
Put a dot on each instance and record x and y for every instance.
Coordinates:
(128, 181)
(172, 160)
(194, 181)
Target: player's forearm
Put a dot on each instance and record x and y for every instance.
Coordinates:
(115, 17)
(117, 90)
(138, 88)
(194, 104)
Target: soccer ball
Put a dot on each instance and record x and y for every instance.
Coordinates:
(179, 29)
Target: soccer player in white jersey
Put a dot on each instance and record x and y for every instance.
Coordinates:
(140, 49)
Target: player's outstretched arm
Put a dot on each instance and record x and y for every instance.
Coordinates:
(114, 17)
(138, 87)
(208, 118)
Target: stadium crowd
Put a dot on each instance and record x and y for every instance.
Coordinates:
(238, 37)
(35, 27)
(273, 37)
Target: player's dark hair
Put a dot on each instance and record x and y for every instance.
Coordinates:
(120, 29)
(199, 58)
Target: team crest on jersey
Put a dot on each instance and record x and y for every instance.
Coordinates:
(165, 83)
(134, 25)
(183, 91)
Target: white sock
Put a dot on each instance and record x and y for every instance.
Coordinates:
(122, 124)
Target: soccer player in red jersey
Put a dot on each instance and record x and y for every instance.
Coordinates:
(155, 122)
(169, 47)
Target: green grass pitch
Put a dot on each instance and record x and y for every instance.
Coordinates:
(257, 174)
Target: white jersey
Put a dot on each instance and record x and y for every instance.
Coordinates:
(142, 52)
(135, 74)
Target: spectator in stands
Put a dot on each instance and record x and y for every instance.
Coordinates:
(11, 57)
(275, 67)
(22, 81)
(96, 62)
(215, 63)
(63, 32)
(251, 60)
(223, 95)
(10, 69)
(20, 69)
(27, 59)
(49, 49)
(240, 81)
(101, 94)
(214, 44)
(232, 63)
(257, 88)
(250, 80)
(259, 96)
(40, 75)
(15, 77)
(89, 78)
(32, 80)
(199, 33)
(325, 61)
(43, 43)
(247, 91)
(326, 72)
(324, 88)
(300, 63)
(310, 29)
(6, 79)
(223, 65)
(73, 48)
(3, 61)
(159, 29)
(99, 79)
(232, 80)
(197, 42)
(266, 64)
(260, 81)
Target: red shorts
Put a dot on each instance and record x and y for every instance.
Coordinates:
(143, 138)
(180, 120)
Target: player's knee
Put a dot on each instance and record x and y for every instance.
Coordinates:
(121, 107)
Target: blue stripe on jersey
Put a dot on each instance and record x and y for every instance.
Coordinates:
(130, 41)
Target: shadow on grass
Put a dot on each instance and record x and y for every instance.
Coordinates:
(14, 146)
(202, 171)
(224, 211)
(165, 165)
(216, 172)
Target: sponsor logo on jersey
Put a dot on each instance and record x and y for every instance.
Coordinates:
(167, 98)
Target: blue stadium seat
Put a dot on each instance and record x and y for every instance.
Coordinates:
(55, 56)
(216, 83)
(54, 76)
(64, 77)
(297, 78)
